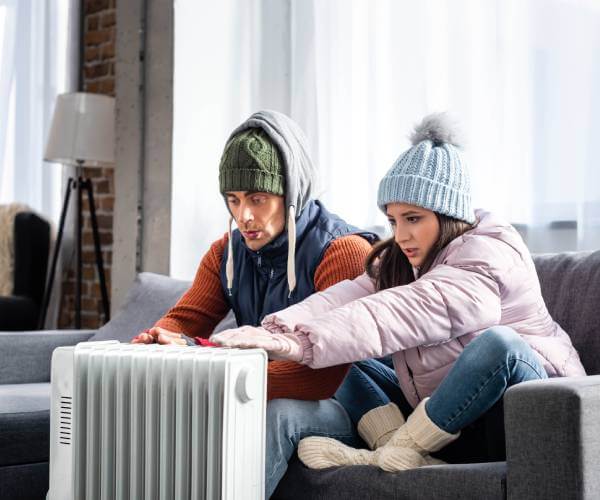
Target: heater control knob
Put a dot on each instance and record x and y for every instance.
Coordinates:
(245, 388)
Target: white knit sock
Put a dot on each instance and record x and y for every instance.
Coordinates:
(420, 435)
(378, 425)
(407, 446)
(322, 452)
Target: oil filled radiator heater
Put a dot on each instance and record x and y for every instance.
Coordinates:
(157, 422)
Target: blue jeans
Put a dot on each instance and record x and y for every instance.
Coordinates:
(369, 384)
(496, 360)
(290, 420)
(487, 367)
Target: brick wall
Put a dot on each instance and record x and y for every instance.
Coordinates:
(98, 69)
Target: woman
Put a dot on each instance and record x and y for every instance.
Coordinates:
(455, 298)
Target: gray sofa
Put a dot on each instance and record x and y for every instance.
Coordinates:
(552, 434)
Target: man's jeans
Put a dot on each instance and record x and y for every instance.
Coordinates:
(290, 420)
(487, 367)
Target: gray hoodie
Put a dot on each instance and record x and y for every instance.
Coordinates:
(300, 177)
(300, 172)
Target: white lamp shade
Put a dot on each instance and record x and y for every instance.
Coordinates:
(82, 130)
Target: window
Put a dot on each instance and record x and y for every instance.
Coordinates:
(38, 57)
(357, 75)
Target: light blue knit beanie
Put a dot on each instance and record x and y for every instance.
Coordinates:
(431, 174)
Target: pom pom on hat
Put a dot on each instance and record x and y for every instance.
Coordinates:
(431, 174)
(439, 128)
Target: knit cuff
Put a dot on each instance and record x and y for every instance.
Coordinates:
(378, 422)
(424, 432)
(240, 179)
(170, 324)
(382, 419)
(426, 193)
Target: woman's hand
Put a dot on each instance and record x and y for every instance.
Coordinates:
(158, 335)
(283, 346)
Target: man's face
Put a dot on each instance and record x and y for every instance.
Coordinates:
(259, 216)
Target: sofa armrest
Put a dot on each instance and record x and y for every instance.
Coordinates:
(25, 356)
(553, 438)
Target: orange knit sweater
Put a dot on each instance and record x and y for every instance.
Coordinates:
(200, 309)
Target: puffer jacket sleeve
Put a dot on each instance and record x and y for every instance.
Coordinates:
(319, 303)
(445, 303)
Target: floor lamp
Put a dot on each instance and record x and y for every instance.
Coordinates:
(82, 134)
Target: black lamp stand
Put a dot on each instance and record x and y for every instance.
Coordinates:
(79, 184)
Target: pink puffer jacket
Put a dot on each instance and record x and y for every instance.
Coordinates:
(485, 277)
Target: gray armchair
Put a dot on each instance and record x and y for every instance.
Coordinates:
(21, 309)
(552, 426)
(552, 434)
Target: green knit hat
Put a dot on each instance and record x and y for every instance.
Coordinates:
(251, 162)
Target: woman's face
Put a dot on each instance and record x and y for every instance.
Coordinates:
(415, 229)
(259, 216)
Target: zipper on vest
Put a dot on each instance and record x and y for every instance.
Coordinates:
(259, 260)
(271, 274)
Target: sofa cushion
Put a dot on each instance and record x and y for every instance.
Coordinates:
(25, 356)
(570, 285)
(24, 423)
(148, 299)
(468, 481)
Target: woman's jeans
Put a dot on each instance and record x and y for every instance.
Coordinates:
(370, 384)
(487, 367)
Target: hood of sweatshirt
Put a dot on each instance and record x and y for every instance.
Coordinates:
(300, 177)
(300, 172)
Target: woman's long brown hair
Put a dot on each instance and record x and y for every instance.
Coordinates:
(389, 267)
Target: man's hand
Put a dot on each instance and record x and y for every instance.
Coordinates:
(283, 346)
(158, 335)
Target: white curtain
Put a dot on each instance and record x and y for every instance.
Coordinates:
(357, 75)
(39, 59)
(222, 75)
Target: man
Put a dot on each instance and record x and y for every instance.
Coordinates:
(287, 247)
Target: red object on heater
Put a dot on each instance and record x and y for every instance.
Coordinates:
(205, 342)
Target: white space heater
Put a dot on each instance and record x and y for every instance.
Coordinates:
(157, 422)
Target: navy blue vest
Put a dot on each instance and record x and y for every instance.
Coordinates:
(260, 278)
